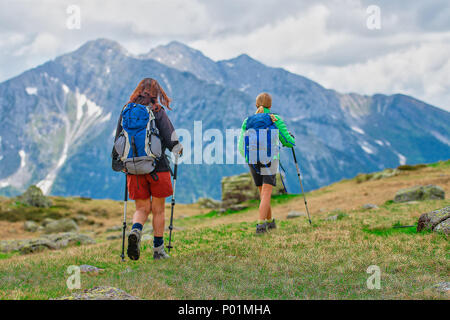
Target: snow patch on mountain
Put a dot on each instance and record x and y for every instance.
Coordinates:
(441, 138)
(359, 130)
(22, 174)
(166, 82)
(244, 87)
(401, 158)
(31, 90)
(367, 148)
(88, 116)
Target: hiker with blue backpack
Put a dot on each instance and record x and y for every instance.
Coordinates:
(259, 144)
(144, 132)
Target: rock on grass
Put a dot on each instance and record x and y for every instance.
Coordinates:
(443, 227)
(34, 197)
(91, 270)
(100, 293)
(295, 214)
(430, 220)
(419, 193)
(443, 287)
(61, 225)
(30, 226)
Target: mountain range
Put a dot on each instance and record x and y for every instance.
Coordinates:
(57, 120)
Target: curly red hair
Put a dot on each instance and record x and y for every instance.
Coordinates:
(149, 92)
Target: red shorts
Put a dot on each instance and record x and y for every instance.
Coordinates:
(144, 186)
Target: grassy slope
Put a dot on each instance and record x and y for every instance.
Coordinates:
(220, 257)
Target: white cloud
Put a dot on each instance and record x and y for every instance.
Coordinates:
(297, 36)
(421, 70)
(328, 42)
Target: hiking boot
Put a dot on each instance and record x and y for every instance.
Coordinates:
(134, 243)
(160, 253)
(261, 228)
(271, 225)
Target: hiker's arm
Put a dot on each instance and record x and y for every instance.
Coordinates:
(285, 137)
(241, 138)
(166, 130)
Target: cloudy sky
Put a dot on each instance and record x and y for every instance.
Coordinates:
(327, 41)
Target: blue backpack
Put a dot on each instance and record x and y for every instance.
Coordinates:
(261, 139)
(138, 145)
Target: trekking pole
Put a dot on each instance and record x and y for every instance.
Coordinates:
(124, 219)
(173, 202)
(301, 184)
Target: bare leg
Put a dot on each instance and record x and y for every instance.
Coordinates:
(269, 216)
(158, 206)
(143, 209)
(264, 207)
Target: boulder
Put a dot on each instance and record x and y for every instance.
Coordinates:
(419, 193)
(79, 218)
(91, 270)
(443, 227)
(65, 239)
(53, 241)
(46, 221)
(333, 218)
(240, 188)
(10, 245)
(295, 214)
(114, 237)
(443, 287)
(34, 197)
(208, 203)
(30, 226)
(370, 206)
(237, 207)
(36, 245)
(100, 293)
(61, 225)
(114, 229)
(429, 220)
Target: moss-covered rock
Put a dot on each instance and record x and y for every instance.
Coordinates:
(100, 293)
(30, 226)
(443, 227)
(53, 241)
(419, 193)
(34, 197)
(430, 220)
(240, 188)
(36, 245)
(61, 225)
(208, 203)
(65, 239)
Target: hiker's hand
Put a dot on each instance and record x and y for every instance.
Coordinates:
(178, 149)
(291, 135)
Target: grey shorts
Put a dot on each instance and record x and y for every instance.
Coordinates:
(260, 179)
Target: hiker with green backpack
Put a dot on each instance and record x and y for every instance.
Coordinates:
(144, 132)
(259, 145)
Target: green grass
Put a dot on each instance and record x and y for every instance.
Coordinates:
(251, 204)
(295, 261)
(440, 164)
(227, 260)
(391, 231)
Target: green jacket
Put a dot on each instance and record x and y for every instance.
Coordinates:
(285, 137)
